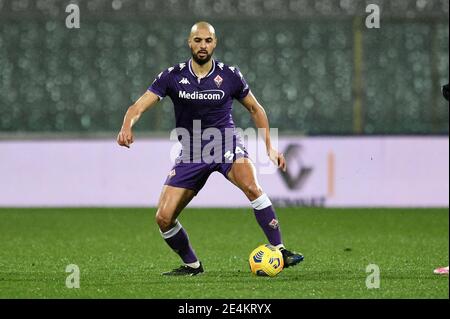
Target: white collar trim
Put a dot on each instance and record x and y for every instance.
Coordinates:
(211, 72)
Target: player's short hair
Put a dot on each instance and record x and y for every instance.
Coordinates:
(202, 25)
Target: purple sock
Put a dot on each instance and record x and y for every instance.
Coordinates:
(178, 240)
(267, 219)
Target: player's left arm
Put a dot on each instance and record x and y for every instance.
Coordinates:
(261, 121)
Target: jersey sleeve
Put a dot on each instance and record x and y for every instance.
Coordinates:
(160, 85)
(241, 89)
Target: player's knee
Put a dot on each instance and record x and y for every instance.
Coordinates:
(252, 191)
(164, 221)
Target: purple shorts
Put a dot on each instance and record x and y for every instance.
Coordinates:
(194, 175)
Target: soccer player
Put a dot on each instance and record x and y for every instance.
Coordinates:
(443, 270)
(202, 91)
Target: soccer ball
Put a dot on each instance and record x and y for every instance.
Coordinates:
(266, 260)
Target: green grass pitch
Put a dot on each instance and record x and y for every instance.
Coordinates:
(121, 254)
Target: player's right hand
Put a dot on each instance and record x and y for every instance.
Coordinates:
(125, 138)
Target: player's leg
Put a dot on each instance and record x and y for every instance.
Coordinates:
(183, 182)
(243, 175)
(171, 202)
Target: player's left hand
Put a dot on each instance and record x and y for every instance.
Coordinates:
(278, 159)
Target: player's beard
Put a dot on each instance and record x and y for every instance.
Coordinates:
(201, 61)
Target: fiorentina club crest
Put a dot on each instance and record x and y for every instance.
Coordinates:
(218, 80)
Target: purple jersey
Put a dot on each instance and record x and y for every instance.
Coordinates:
(208, 99)
(201, 104)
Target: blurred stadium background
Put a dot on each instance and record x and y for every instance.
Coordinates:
(313, 64)
(361, 109)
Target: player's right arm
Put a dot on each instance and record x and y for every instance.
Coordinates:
(134, 112)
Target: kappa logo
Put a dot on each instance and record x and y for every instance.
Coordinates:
(172, 173)
(218, 80)
(184, 81)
